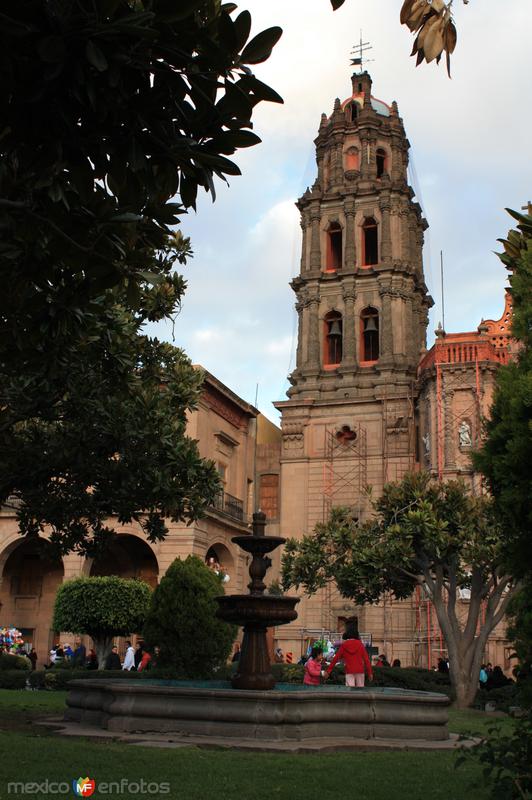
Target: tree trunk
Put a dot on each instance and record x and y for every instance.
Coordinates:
(102, 645)
(464, 645)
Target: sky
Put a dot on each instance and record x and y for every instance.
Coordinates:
(469, 157)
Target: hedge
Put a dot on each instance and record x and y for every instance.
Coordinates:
(13, 679)
(11, 662)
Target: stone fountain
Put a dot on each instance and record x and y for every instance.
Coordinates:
(256, 612)
(250, 711)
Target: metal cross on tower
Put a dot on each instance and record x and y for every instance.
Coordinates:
(359, 49)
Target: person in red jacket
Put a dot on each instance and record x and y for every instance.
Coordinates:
(144, 661)
(356, 662)
(313, 667)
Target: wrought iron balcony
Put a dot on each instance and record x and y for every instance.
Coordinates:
(227, 504)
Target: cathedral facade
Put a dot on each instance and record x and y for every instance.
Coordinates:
(367, 402)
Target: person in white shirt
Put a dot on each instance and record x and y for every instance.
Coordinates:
(129, 660)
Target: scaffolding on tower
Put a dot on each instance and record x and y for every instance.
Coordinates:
(344, 482)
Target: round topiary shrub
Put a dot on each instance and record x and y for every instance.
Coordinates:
(182, 620)
(102, 607)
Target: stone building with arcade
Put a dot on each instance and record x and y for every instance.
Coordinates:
(227, 430)
(367, 402)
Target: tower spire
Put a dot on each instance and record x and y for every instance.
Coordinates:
(359, 49)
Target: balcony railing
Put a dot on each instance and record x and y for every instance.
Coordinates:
(227, 504)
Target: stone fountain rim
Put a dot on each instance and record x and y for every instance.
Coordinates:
(392, 694)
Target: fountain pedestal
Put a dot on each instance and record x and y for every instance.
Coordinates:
(256, 612)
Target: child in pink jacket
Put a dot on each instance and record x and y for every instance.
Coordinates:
(313, 667)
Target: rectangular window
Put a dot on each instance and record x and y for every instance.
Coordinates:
(269, 496)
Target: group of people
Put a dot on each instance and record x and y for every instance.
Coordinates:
(63, 654)
(492, 677)
(137, 658)
(351, 652)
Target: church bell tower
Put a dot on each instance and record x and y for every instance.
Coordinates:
(362, 308)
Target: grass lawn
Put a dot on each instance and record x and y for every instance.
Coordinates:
(31, 753)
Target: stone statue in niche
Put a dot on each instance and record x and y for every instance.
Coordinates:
(426, 444)
(464, 434)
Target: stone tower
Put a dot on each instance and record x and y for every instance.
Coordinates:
(363, 310)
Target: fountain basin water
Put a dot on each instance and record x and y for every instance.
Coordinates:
(287, 713)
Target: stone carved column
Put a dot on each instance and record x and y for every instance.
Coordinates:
(304, 222)
(300, 305)
(320, 154)
(313, 332)
(315, 249)
(364, 149)
(410, 330)
(349, 296)
(350, 244)
(448, 427)
(405, 235)
(412, 225)
(386, 240)
(339, 166)
(372, 156)
(397, 161)
(386, 335)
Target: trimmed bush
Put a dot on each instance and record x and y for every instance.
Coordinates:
(182, 620)
(413, 678)
(13, 679)
(102, 607)
(10, 662)
(503, 698)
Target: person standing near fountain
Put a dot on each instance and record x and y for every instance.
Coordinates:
(354, 655)
(314, 667)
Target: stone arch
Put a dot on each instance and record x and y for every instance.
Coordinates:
(31, 574)
(222, 554)
(223, 558)
(127, 556)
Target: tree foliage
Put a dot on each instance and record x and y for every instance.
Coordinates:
(424, 533)
(102, 608)
(506, 454)
(182, 620)
(111, 108)
(114, 113)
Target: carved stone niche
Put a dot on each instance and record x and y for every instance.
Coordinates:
(345, 435)
(465, 440)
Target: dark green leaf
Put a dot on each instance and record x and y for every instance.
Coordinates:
(261, 46)
(95, 56)
(242, 26)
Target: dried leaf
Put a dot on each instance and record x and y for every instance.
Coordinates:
(434, 42)
(406, 10)
(419, 10)
(450, 37)
(431, 21)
